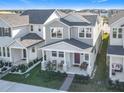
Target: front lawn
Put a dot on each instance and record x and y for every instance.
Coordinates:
(38, 78)
(99, 82)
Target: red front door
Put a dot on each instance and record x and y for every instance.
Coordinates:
(77, 58)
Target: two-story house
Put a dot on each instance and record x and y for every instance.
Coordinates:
(22, 35)
(116, 47)
(72, 43)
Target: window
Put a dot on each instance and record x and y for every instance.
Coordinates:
(85, 33)
(56, 32)
(24, 53)
(117, 33)
(81, 32)
(120, 33)
(33, 49)
(86, 57)
(88, 32)
(39, 29)
(54, 54)
(31, 27)
(114, 32)
(8, 53)
(0, 52)
(5, 31)
(61, 54)
(4, 53)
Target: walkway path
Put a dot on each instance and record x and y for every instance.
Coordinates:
(7, 86)
(67, 83)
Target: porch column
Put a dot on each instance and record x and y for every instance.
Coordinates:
(10, 54)
(27, 57)
(89, 65)
(43, 62)
(65, 63)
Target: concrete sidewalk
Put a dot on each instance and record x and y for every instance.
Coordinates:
(7, 86)
(67, 83)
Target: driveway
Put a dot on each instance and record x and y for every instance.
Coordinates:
(7, 86)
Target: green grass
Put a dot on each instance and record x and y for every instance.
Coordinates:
(99, 82)
(38, 78)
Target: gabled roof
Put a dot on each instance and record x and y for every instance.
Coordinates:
(116, 50)
(69, 45)
(75, 19)
(15, 19)
(116, 17)
(28, 40)
(38, 16)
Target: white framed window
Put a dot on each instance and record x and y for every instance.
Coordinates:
(86, 57)
(4, 52)
(114, 32)
(88, 33)
(117, 33)
(56, 32)
(33, 49)
(54, 54)
(120, 33)
(8, 52)
(61, 54)
(32, 28)
(81, 33)
(84, 32)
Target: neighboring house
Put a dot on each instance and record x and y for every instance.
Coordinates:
(72, 43)
(116, 47)
(22, 35)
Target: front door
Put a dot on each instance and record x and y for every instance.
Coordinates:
(77, 58)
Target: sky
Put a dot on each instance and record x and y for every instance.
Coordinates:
(61, 4)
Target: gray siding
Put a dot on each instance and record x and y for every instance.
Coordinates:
(56, 24)
(74, 34)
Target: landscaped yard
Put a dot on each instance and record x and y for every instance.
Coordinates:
(38, 78)
(99, 82)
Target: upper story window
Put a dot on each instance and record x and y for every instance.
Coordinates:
(85, 33)
(117, 32)
(88, 32)
(81, 32)
(5, 31)
(56, 32)
(32, 28)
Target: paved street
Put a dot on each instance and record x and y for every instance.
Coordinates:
(7, 86)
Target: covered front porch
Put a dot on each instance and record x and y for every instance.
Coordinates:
(67, 58)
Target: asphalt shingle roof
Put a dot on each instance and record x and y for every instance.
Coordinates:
(38, 16)
(116, 50)
(74, 42)
(91, 18)
(15, 19)
(116, 17)
(30, 39)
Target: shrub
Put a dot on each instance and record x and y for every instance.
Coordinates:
(81, 79)
(10, 64)
(30, 64)
(23, 68)
(6, 63)
(4, 69)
